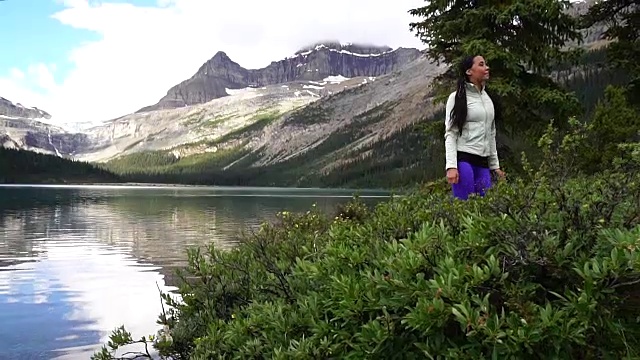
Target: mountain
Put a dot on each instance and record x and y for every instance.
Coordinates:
(592, 35)
(9, 109)
(243, 103)
(203, 123)
(23, 128)
(32, 151)
(312, 63)
(372, 124)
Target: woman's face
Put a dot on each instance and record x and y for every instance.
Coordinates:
(479, 71)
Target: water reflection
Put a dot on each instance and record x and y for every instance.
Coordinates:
(77, 262)
(72, 296)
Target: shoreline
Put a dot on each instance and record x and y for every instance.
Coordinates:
(190, 186)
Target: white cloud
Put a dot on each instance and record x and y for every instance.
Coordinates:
(16, 74)
(42, 75)
(144, 51)
(95, 302)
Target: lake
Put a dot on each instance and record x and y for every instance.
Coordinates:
(78, 261)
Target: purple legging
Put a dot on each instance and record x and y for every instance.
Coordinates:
(472, 179)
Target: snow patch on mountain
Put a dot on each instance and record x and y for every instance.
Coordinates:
(335, 79)
(342, 51)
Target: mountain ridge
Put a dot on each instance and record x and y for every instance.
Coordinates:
(311, 63)
(17, 110)
(25, 128)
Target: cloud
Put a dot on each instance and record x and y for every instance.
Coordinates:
(112, 289)
(42, 75)
(143, 51)
(16, 74)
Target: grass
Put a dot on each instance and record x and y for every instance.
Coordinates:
(256, 123)
(217, 120)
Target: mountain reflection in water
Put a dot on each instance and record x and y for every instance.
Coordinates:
(78, 261)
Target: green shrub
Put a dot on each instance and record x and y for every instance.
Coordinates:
(544, 266)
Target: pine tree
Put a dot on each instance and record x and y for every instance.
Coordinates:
(521, 41)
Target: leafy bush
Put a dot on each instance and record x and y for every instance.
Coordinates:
(544, 266)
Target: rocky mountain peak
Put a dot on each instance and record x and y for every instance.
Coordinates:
(219, 65)
(311, 63)
(221, 55)
(9, 109)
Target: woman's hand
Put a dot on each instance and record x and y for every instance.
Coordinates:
(501, 174)
(452, 176)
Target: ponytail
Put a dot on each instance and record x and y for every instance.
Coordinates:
(497, 106)
(459, 111)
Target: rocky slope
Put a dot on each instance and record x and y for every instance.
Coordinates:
(188, 130)
(591, 36)
(378, 109)
(313, 63)
(23, 128)
(9, 109)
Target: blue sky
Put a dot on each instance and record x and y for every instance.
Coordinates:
(93, 60)
(36, 37)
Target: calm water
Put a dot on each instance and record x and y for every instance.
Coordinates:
(76, 262)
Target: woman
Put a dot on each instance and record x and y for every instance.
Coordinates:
(470, 132)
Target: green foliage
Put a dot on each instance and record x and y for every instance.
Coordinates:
(615, 121)
(193, 118)
(21, 166)
(520, 39)
(163, 166)
(589, 78)
(141, 160)
(256, 124)
(402, 160)
(121, 338)
(355, 210)
(216, 121)
(544, 266)
(310, 114)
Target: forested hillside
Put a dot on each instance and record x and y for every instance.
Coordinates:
(21, 166)
(400, 160)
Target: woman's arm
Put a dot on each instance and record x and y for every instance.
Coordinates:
(494, 163)
(450, 136)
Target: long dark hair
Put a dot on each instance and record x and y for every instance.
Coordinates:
(459, 111)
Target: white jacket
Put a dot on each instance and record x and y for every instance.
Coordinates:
(479, 131)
